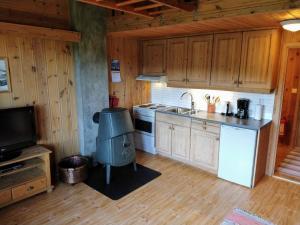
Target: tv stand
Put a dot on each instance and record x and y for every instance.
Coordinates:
(32, 178)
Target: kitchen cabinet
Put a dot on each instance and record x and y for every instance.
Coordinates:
(181, 142)
(205, 149)
(177, 61)
(226, 60)
(163, 137)
(154, 57)
(239, 61)
(199, 61)
(172, 136)
(259, 60)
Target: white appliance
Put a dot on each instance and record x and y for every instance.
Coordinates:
(144, 123)
(237, 155)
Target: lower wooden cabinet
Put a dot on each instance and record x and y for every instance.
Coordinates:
(194, 142)
(205, 150)
(29, 188)
(181, 142)
(163, 137)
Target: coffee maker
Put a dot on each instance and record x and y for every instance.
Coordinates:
(242, 108)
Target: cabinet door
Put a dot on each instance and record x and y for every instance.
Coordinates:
(181, 142)
(163, 137)
(177, 61)
(199, 61)
(205, 150)
(226, 60)
(154, 57)
(259, 59)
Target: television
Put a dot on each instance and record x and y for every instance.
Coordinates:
(17, 131)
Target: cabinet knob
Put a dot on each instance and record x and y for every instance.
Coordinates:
(240, 82)
(235, 82)
(217, 139)
(30, 188)
(187, 80)
(183, 80)
(204, 127)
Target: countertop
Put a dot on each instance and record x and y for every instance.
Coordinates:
(250, 123)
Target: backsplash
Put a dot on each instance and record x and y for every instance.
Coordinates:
(160, 93)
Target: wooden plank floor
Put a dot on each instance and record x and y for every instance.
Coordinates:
(181, 195)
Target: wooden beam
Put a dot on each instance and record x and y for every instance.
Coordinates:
(158, 12)
(175, 5)
(141, 8)
(39, 32)
(207, 11)
(112, 5)
(129, 2)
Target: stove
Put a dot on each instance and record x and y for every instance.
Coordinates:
(144, 122)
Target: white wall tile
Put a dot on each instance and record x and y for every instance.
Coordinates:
(162, 94)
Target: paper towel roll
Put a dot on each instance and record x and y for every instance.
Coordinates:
(258, 112)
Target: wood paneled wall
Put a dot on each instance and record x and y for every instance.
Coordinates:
(41, 74)
(48, 13)
(130, 92)
(290, 96)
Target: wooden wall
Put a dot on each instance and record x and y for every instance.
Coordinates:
(130, 92)
(290, 97)
(48, 13)
(41, 73)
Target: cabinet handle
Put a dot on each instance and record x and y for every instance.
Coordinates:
(217, 139)
(204, 127)
(170, 127)
(30, 188)
(235, 82)
(183, 80)
(187, 80)
(240, 82)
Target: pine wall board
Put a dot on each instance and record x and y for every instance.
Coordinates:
(129, 91)
(41, 74)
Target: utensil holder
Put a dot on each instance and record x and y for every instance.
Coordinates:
(211, 108)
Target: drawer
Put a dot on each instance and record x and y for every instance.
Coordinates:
(5, 196)
(28, 188)
(206, 126)
(173, 119)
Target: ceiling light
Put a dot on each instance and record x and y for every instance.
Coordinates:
(291, 25)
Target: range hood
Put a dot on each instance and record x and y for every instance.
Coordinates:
(152, 78)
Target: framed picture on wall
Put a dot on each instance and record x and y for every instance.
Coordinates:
(4, 75)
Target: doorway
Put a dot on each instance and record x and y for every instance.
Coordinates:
(288, 150)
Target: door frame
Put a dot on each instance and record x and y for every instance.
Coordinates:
(274, 134)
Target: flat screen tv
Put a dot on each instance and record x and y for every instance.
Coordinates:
(17, 131)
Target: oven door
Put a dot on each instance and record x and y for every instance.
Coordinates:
(144, 125)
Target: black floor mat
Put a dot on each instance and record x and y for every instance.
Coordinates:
(123, 180)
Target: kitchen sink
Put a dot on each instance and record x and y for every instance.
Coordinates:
(179, 110)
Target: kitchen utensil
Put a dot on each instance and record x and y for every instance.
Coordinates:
(207, 98)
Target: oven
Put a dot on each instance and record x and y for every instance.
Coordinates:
(144, 124)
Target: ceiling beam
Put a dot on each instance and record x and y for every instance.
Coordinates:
(114, 6)
(141, 8)
(175, 5)
(129, 2)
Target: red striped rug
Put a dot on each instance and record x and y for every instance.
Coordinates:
(241, 217)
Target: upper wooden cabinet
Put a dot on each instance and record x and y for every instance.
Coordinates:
(259, 60)
(199, 61)
(177, 61)
(226, 60)
(238, 61)
(154, 57)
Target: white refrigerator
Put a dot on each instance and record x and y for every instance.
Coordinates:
(237, 155)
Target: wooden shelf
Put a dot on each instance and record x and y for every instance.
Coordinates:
(20, 178)
(28, 164)
(27, 153)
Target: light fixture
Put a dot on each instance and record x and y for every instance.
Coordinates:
(291, 25)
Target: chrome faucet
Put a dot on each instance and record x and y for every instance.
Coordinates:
(192, 100)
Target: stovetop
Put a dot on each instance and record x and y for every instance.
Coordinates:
(151, 106)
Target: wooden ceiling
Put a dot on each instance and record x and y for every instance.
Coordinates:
(261, 20)
(144, 8)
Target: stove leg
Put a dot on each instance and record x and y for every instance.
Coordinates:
(108, 173)
(134, 166)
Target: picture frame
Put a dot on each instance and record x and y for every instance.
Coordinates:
(4, 75)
